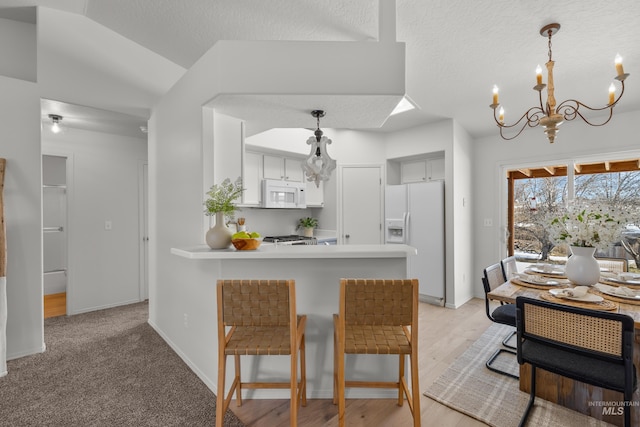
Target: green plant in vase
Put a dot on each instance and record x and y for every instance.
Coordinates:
(308, 224)
(220, 202)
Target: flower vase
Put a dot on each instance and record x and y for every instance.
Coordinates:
(219, 236)
(582, 268)
(308, 232)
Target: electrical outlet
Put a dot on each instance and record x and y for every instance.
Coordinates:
(488, 222)
(107, 225)
(186, 320)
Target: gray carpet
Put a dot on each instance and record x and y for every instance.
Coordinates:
(469, 387)
(105, 368)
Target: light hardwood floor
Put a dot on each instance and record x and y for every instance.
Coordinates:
(55, 305)
(444, 335)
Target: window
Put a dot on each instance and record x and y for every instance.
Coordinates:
(534, 193)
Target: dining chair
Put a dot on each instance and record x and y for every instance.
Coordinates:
(377, 316)
(504, 314)
(258, 318)
(509, 267)
(614, 265)
(591, 346)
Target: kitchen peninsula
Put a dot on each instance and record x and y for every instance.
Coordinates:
(317, 271)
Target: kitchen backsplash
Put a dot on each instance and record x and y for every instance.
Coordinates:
(274, 222)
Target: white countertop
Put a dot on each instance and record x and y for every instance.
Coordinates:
(298, 251)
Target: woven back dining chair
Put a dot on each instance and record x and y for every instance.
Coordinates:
(504, 314)
(614, 265)
(509, 267)
(377, 316)
(591, 346)
(258, 318)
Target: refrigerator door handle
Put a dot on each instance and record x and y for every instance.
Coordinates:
(406, 228)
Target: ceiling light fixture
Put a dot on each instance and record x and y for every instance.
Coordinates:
(55, 123)
(319, 165)
(551, 117)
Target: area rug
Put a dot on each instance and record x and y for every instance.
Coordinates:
(467, 386)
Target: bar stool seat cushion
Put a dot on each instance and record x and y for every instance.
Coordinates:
(375, 339)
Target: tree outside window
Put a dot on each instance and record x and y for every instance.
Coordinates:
(537, 198)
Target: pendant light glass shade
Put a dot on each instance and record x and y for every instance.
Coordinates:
(319, 165)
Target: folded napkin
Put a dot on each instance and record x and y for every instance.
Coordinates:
(628, 276)
(624, 291)
(608, 275)
(577, 292)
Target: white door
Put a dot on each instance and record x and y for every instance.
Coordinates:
(361, 209)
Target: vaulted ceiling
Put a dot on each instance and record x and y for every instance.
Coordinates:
(455, 50)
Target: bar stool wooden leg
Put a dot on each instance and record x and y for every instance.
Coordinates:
(401, 379)
(293, 420)
(415, 390)
(237, 381)
(220, 406)
(303, 373)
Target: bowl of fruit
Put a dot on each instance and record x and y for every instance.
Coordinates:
(246, 241)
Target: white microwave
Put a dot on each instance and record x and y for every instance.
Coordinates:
(283, 194)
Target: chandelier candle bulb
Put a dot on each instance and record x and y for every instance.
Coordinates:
(619, 68)
(539, 75)
(612, 94)
(495, 95)
(501, 117)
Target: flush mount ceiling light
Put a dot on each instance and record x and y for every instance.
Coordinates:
(55, 123)
(319, 165)
(551, 117)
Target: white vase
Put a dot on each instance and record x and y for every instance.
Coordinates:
(582, 268)
(308, 232)
(219, 236)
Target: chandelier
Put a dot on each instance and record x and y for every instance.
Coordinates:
(319, 165)
(548, 115)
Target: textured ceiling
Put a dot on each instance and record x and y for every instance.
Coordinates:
(455, 50)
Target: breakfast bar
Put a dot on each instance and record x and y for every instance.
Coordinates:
(317, 271)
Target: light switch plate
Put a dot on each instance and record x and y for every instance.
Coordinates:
(107, 225)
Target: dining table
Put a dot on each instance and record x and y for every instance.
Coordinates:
(594, 401)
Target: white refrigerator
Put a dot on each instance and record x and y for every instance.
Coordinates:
(414, 215)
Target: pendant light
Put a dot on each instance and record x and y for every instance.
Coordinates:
(319, 165)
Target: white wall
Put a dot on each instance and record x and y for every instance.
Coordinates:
(18, 49)
(576, 140)
(461, 225)
(20, 145)
(448, 137)
(103, 264)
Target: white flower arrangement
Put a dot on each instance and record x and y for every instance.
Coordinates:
(588, 225)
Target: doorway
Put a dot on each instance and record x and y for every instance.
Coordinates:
(54, 235)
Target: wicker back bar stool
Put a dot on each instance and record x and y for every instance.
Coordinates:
(377, 316)
(258, 317)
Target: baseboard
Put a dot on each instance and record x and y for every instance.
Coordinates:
(27, 352)
(104, 307)
(212, 385)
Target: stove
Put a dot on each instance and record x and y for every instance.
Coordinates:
(291, 239)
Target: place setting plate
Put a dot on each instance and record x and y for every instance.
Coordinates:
(581, 299)
(546, 270)
(539, 281)
(620, 293)
(563, 293)
(632, 279)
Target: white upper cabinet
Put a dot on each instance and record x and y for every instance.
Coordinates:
(315, 195)
(421, 170)
(276, 167)
(252, 179)
(413, 171)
